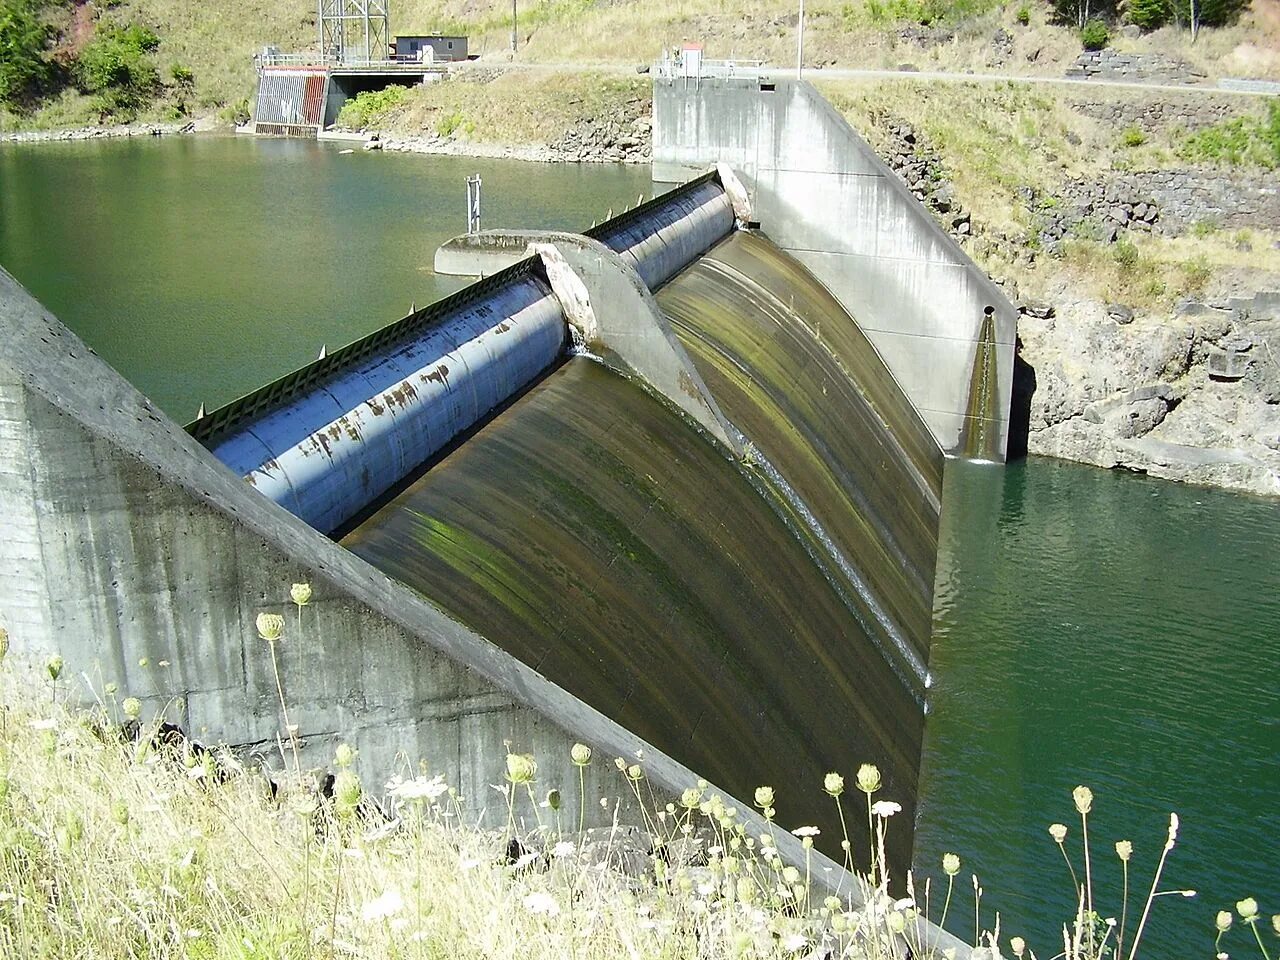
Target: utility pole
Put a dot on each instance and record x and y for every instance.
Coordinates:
(513, 26)
(800, 43)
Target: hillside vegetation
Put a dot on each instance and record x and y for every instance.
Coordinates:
(197, 58)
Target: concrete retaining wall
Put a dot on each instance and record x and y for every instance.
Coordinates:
(822, 194)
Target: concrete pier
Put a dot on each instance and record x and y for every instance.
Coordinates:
(821, 193)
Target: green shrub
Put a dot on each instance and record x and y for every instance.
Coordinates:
(1095, 35)
(922, 12)
(446, 125)
(1132, 137)
(1023, 16)
(1196, 275)
(371, 108)
(117, 66)
(236, 113)
(23, 69)
(1126, 254)
(1240, 141)
(182, 76)
(1149, 14)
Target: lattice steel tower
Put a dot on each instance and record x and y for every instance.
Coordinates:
(354, 29)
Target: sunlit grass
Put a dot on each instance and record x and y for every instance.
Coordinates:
(120, 839)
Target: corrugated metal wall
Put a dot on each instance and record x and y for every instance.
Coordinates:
(294, 97)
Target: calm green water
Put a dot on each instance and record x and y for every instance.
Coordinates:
(204, 267)
(1091, 627)
(1107, 629)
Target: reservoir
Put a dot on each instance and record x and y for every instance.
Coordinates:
(1089, 627)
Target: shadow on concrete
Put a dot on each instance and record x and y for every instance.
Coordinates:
(1024, 388)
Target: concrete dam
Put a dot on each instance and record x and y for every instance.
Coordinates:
(745, 584)
(653, 488)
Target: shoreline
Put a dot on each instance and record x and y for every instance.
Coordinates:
(68, 134)
(430, 145)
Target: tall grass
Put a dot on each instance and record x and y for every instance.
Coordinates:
(119, 839)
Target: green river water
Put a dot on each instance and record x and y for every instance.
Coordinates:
(1089, 626)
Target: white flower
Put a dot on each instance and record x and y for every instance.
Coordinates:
(542, 903)
(885, 808)
(524, 860)
(794, 942)
(45, 724)
(562, 849)
(419, 788)
(387, 905)
(806, 831)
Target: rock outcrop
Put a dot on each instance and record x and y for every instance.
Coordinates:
(1194, 396)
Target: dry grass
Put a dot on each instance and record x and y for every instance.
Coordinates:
(218, 40)
(997, 138)
(517, 108)
(115, 843)
(842, 33)
(113, 847)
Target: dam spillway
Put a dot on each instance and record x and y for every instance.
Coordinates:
(558, 526)
(760, 613)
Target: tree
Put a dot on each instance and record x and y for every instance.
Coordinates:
(1081, 12)
(23, 69)
(1149, 14)
(1195, 14)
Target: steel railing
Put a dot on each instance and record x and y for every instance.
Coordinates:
(334, 63)
(677, 68)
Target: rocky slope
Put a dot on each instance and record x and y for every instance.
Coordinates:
(1194, 396)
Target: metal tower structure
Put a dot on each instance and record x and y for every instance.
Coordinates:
(354, 29)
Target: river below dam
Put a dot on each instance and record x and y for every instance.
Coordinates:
(1089, 626)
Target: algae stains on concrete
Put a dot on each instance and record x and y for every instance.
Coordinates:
(125, 539)
(644, 573)
(980, 441)
(826, 414)
(822, 194)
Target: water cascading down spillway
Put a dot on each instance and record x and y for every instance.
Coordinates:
(761, 613)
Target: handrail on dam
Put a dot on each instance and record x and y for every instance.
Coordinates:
(213, 425)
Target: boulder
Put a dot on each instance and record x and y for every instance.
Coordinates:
(1120, 313)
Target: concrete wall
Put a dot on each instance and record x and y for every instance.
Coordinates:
(125, 539)
(822, 195)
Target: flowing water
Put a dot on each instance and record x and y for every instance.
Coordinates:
(592, 534)
(1090, 627)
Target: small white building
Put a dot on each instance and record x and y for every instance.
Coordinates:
(430, 48)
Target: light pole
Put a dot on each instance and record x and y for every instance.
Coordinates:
(800, 43)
